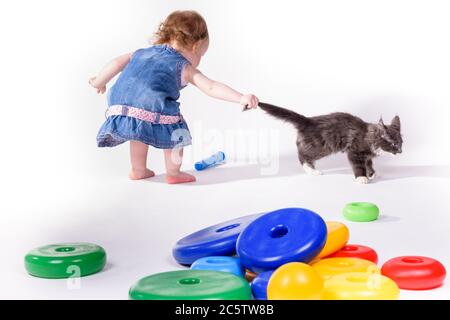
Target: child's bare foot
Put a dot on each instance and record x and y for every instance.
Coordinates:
(180, 177)
(141, 174)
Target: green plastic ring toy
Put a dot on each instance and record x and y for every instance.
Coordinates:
(65, 260)
(361, 212)
(191, 285)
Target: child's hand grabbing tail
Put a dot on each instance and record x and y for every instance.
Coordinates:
(100, 88)
(249, 101)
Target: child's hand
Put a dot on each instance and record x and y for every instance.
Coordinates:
(249, 101)
(100, 88)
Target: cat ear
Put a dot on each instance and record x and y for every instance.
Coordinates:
(395, 123)
(381, 124)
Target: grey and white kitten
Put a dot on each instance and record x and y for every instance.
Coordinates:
(321, 136)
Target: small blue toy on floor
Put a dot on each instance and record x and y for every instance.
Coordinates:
(212, 161)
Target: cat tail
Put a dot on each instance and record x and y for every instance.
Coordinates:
(296, 119)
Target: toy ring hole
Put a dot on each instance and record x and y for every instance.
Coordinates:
(189, 281)
(350, 248)
(412, 260)
(357, 279)
(279, 231)
(232, 226)
(361, 205)
(216, 260)
(65, 249)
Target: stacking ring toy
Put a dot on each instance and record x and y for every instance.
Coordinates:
(328, 268)
(217, 240)
(360, 286)
(58, 261)
(361, 212)
(191, 285)
(415, 272)
(295, 281)
(224, 264)
(337, 237)
(280, 237)
(356, 251)
(259, 285)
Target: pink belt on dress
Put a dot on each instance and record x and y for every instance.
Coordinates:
(142, 114)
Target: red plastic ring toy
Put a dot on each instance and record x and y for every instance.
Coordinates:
(356, 251)
(415, 272)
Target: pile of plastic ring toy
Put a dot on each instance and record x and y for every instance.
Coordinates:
(287, 254)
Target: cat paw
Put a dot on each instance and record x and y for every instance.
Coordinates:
(362, 180)
(312, 171)
(373, 176)
(315, 172)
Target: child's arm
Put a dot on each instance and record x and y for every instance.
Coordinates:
(218, 90)
(109, 71)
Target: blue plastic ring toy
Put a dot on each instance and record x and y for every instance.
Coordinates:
(280, 237)
(217, 240)
(220, 263)
(259, 285)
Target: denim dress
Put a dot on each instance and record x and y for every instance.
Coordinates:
(150, 81)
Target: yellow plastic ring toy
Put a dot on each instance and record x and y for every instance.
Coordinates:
(295, 281)
(337, 238)
(360, 286)
(330, 267)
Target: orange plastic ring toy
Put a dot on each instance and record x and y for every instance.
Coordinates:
(337, 237)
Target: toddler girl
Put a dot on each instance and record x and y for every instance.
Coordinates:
(143, 105)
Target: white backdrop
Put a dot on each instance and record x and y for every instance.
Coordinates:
(370, 58)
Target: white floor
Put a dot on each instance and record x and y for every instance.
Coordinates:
(138, 222)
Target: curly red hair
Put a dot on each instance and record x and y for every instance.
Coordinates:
(184, 27)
